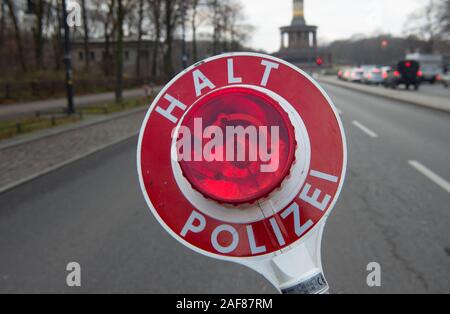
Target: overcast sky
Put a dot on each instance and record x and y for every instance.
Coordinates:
(336, 19)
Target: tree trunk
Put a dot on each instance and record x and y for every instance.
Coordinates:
(157, 21)
(38, 34)
(17, 35)
(119, 53)
(57, 41)
(216, 26)
(169, 24)
(86, 35)
(2, 23)
(139, 43)
(194, 30)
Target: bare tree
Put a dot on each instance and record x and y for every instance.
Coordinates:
(171, 15)
(140, 34)
(194, 7)
(57, 42)
(199, 15)
(215, 19)
(425, 24)
(119, 52)
(156, 16)
(228, 22)
(2, 22)
(104, 15)
(38, 34)
(444, 18)
(86, 34)
(17, 35)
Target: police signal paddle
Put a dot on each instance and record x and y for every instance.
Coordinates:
(242, 157)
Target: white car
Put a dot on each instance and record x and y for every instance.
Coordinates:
(444, 79)
(356, 75)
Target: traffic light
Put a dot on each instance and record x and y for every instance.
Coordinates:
(319, 61)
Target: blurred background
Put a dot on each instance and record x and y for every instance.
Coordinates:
(77, 77)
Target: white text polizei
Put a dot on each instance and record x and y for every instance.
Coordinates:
(196, 222)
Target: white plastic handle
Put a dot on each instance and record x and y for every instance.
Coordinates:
(296, 270)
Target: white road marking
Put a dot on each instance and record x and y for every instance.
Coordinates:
(365, 129)
(430, 175)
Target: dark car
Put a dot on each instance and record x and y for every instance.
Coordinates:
(406, 73)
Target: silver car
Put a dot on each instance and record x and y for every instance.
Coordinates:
(373, 76)
(444, 79)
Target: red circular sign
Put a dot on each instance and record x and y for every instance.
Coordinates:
(238, 181)
(241, 155)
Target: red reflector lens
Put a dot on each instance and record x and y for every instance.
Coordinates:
(239, 179)
(396, 73)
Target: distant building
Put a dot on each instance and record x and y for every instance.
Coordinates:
(299, 41)
(102, 62)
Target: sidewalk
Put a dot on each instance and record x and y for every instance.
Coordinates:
(17, 110)
(28, 159)
(414, 98)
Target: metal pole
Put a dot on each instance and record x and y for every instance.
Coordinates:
(68, 61)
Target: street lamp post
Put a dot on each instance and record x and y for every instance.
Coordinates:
(68, 62)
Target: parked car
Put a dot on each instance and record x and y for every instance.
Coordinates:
(373, 76)
(444, 79)
(406, 72)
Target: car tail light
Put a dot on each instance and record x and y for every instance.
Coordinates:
(439, 78)
(397, 74)
(419, 74)
(408, 64)
(385, 75)
(239, 181)
(369, 76)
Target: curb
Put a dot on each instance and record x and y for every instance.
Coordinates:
(63, 164)
(57, 131)
(416, 102)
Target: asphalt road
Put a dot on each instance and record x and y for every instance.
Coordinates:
(437, 90)
(92, 212)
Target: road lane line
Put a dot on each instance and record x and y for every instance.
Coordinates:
(430, 175)
(365, 129)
